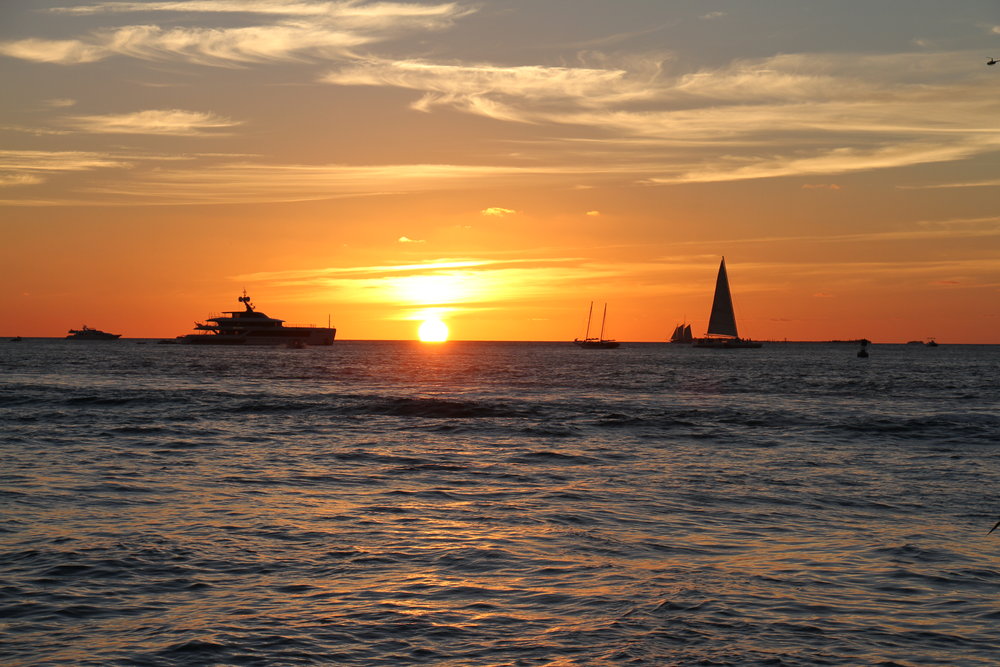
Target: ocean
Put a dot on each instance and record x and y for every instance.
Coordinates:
(398, 503)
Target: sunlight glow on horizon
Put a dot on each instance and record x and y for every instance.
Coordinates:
(432, 331)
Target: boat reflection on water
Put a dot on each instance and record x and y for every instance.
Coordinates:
(250, 327)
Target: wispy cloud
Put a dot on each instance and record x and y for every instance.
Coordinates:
(407, 239)
(153, 121)
(247, 183)
(63, 52)
(836, 161)
(300, 31)
(497, 212)
(57, 161)
(24, 168)
(987, 183)
(819, 113)
(344, 9)
(19, 179)
(463, 283)
(503, 93)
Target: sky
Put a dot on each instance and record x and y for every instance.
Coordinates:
(502, 164)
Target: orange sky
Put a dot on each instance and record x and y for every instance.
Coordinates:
(501, 165)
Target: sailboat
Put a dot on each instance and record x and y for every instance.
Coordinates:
(600, 342)
(722, 332)
(682, 334)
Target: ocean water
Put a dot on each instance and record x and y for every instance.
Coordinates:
(392, 503)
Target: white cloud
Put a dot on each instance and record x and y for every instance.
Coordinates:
(63, 52)
(19, 179)
(58, 161)
(300, 31)
(818, 113)
(497, 212)
(349, 10)
(987, 183)
(254, 182)
(34, 167)
(153, 121)
(469, 281)
(503, 93)
(836, 161)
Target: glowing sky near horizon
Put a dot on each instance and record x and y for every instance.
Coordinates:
(502, 163)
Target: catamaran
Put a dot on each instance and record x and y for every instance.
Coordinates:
(722, 332)
(600, 342)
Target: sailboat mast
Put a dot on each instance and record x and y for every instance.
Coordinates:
(604, 317)
(589, 313)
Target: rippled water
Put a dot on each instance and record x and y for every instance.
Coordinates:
(386, 503)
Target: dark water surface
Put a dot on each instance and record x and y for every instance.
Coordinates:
(388, 503)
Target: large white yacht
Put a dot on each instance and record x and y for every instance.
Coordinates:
(86, 333)
(249, 327)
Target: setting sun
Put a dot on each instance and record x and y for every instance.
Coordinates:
(433, 331)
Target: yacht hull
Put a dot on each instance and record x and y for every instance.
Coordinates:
(727, 343)
(283, 336)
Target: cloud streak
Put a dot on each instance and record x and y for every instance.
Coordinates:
(465, 284)
(246, 182)
(155, 121)
(302, 31)
(819, 114)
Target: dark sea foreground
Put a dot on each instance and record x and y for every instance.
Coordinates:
(391, 503)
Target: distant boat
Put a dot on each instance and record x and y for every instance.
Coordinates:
(682, 335)
(722, 333)
(251, 327)
(599, 343)
(86, 333)
(16, 339)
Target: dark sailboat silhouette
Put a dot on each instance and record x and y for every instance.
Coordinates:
(600, 342)
(722, 332)
(682, 335)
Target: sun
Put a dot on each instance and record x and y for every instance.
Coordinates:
(433, 330)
